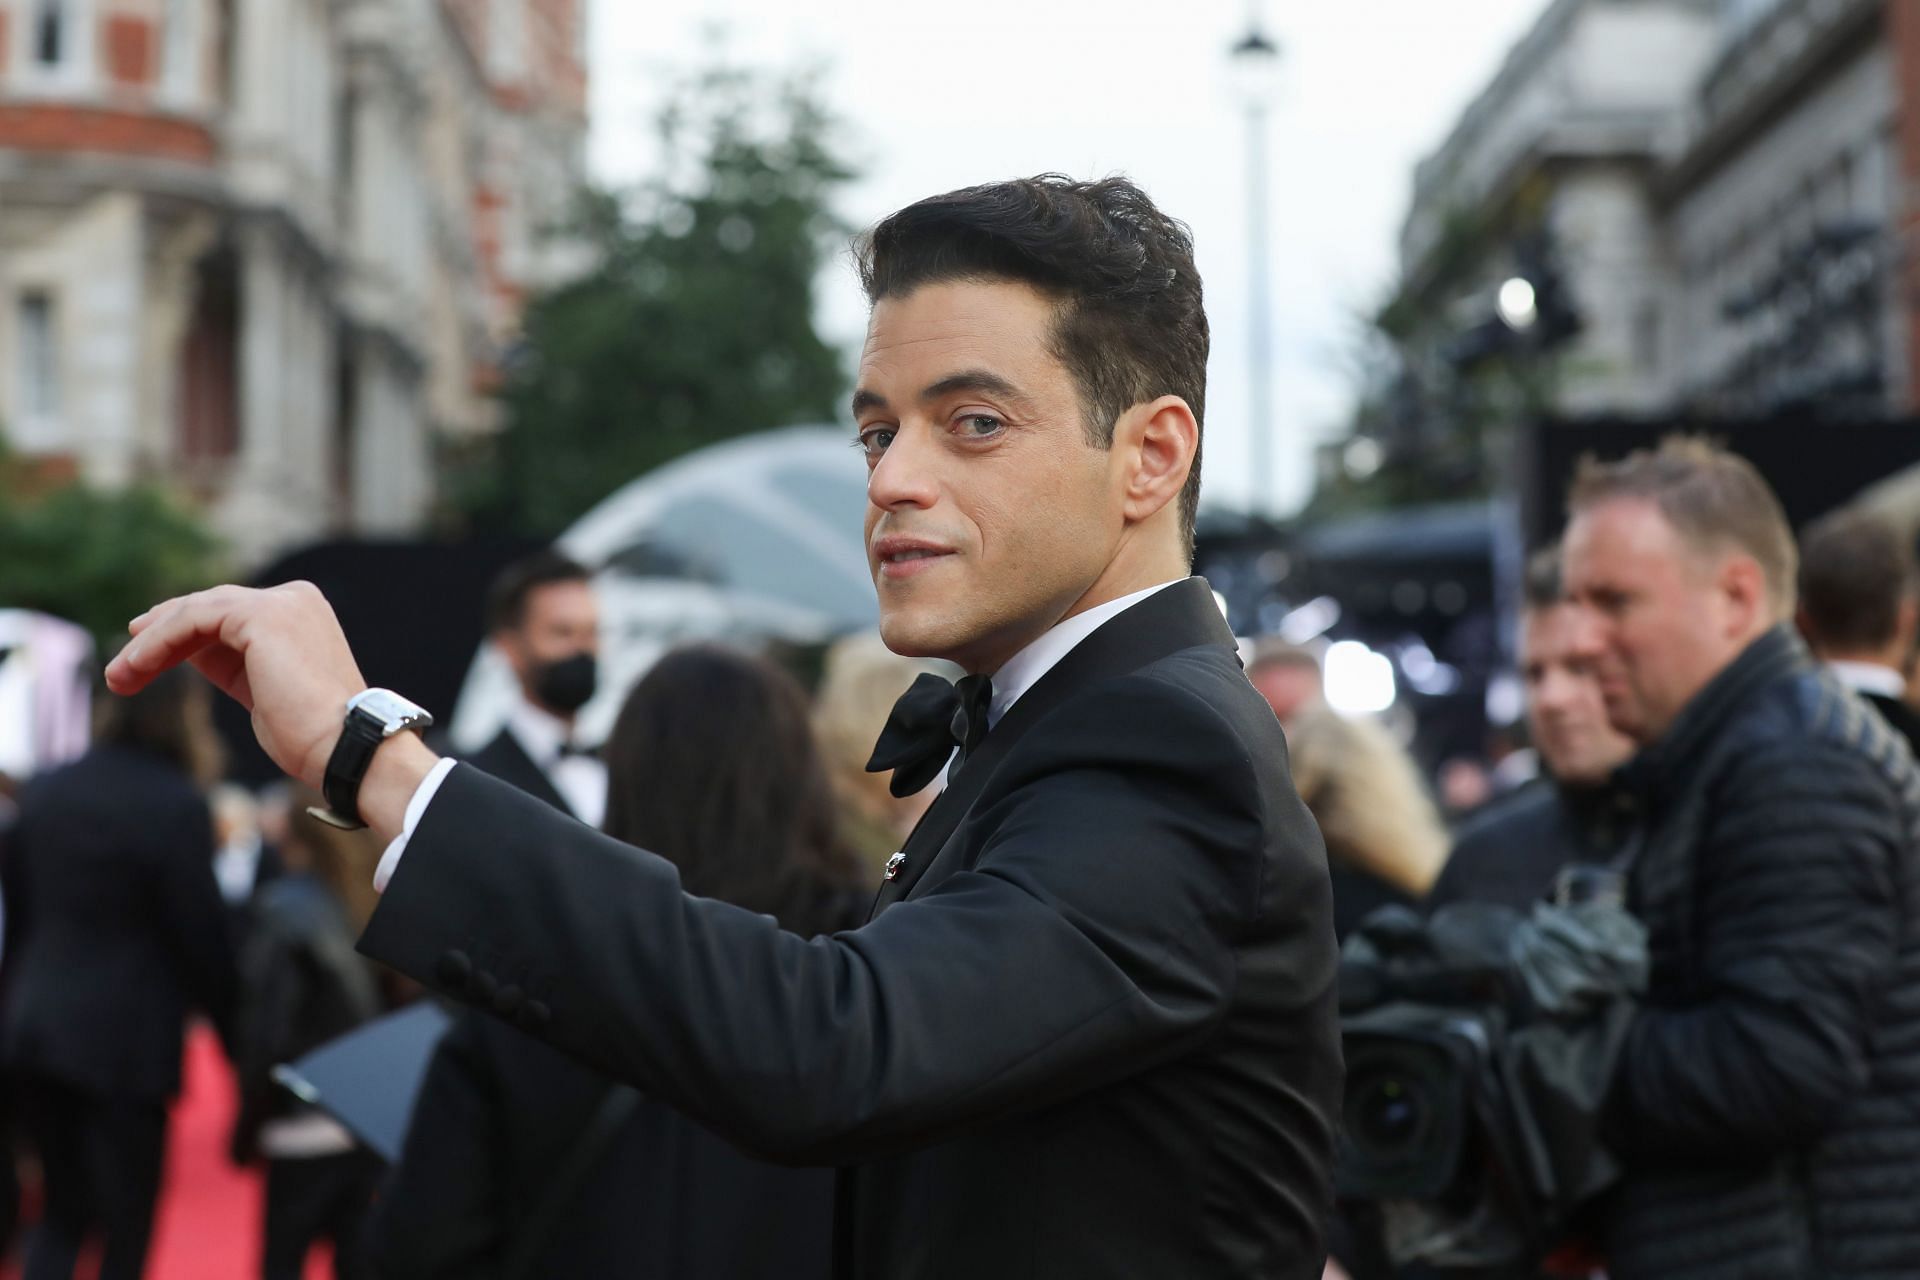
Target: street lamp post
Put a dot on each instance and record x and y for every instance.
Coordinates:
(1253, 58)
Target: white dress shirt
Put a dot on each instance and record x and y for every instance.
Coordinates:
(1016, 675)
(236, 867)
(1869, 677)
(580, 780)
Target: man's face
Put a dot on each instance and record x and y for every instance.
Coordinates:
(1565, 712)
(1660, 618)
(989, 514)
(561, 620)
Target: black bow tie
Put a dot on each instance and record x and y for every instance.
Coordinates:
(931, 720)
(576, 750)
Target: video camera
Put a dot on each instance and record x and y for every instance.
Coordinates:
(1479, 1044)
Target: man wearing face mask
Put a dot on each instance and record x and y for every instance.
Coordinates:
(542, 615)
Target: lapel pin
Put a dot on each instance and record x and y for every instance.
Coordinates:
(894, 864)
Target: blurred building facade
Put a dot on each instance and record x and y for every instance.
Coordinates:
(1710, 200)
(1554, 168)
(271, 251)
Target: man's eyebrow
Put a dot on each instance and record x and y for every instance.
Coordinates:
(974, 380)
(979, 380)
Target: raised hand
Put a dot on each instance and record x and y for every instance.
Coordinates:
(278, 652)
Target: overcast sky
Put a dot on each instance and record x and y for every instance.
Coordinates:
(937, 96)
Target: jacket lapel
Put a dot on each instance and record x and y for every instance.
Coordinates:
(1180, 617)
(517, 767)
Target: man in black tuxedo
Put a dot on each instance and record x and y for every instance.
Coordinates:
(542, 617)
(1860, 609)
(1091, 1029)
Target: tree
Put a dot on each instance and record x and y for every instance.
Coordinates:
(696, 323)
(93, 557)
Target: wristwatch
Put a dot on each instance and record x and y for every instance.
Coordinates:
(373, 716)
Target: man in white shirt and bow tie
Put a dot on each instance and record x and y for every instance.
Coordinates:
(542, 616)
(1091, 1029)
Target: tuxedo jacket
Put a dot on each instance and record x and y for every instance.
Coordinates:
(508, 761)
(1090, 1030)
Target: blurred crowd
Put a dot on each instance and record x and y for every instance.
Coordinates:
(1723, 716)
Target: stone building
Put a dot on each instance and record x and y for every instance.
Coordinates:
(1560, 156)
(270, 251)
(1780, 207)
(1726, 187)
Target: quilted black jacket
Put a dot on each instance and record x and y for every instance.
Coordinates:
(1768, 1103)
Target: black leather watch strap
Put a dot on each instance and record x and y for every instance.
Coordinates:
(360, 737)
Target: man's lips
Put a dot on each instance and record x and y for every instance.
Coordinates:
(904, 557)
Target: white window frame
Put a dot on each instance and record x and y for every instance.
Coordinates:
(38, 383)
(74, 73)
(182, 40)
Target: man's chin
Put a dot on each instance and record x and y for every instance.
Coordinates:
(1628, 722)
(913, 638)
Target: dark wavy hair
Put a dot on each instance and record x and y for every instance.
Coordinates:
(712, 765)
(1856, 571)
(1130, 325)
(507, 596)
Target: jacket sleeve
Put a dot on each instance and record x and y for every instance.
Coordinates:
(195, 917)
(1092, 936)
(271, 979)
(1796, 922)
(442, 1214)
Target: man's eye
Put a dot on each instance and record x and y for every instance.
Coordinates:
(978, 425)
(874, 441)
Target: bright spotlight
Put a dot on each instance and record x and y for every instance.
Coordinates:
(1517, 305)
(1359, 682)
(1362, 457)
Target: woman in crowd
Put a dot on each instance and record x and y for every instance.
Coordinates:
(1385, 840)
(520, 1162)
(302, 984)
(119, 930)
(861, 682)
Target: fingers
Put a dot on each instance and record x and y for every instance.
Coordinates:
(176, 630)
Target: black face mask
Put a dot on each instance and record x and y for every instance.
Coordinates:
(565, 686)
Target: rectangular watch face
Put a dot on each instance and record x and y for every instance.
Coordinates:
(394, 712)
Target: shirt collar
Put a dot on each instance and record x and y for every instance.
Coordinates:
(539, 732)
(1023, 670)
(1868, 677)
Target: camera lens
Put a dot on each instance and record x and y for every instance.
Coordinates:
(1386, 1113)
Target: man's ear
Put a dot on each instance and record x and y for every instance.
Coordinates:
(1154, 444)
(513, 649)
(1743, 585)
(1906, 627)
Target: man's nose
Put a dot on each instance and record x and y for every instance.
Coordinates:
(1551, 693)
(1586, 639)
(904, 476)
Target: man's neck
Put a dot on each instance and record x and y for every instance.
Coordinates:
(1889, 657)
(1127, 574)
(530, 718)
(1123, 576)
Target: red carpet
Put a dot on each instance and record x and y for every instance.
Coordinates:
(209, 1220)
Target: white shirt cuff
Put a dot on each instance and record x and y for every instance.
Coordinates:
(422, 797)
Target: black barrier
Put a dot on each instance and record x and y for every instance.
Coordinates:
(413, 611)
(1814, 464)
